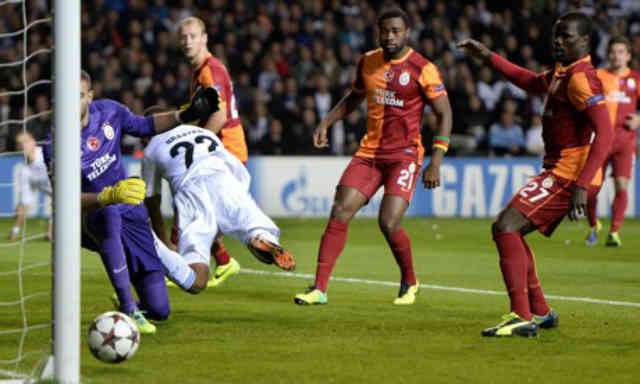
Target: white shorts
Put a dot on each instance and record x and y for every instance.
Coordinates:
(213, 203)
(32, 180)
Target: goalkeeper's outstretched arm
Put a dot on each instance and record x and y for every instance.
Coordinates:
(203, 107)
(127, 191)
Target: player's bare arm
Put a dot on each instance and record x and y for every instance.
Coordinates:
(599, 116)
(522, 77)
(344, 107)
(153, 204)
(475, 49)
(442, 109)
(17, 223)
(216, 121)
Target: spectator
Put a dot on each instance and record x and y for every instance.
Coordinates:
(534, 143)
(279, 53)
(322, 96)
(274, 142)
(259, 125)
(505, 137)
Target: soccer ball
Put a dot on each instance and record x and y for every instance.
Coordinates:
(113, 337)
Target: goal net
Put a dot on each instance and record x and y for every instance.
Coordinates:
(28, 293)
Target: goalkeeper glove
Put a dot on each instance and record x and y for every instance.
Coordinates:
(128, 191)
(204, 103)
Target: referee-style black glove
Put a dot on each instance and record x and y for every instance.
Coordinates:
(204, 103)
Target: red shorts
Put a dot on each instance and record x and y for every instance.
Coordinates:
(544, 200)
(399, 177)
(622, 155)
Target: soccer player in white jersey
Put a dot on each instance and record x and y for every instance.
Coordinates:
(32, 179)
(210, 188)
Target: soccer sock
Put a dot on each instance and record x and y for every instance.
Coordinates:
(176, 267)
(513, 263)
(619, 206)
(331, 245)
(537, 301)
(220, 253)
(592, 202)
(114, 259)
(401, 248)
(154, 298)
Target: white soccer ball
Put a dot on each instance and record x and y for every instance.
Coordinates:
(113, 337)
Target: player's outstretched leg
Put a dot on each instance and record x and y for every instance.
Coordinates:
(176, 268)
(265, 247)
(154, 300)
(113, 255)
(347, 202)
(543, 316)
(392, 211)
(226, 266)
(620, 202)
(513, 264)
(595, 225)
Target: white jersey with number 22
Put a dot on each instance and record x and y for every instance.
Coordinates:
(186, 152)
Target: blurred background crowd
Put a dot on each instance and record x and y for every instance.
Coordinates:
(291, 61)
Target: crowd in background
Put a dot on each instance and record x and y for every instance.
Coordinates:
(291, 61)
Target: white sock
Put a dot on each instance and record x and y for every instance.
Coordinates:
(262, 234)
(176, 268)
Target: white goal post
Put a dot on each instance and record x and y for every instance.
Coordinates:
(66, 250)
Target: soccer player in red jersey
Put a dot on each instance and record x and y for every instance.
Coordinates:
(574, 111)
(624, 98)
(210, 72)
(397, 83)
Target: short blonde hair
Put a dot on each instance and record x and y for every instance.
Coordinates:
(193, 20)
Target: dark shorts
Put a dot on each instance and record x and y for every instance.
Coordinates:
(367, 175)
(137, 239)
(544, 200)
(622, 155)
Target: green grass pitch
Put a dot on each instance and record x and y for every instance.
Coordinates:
(249, 330)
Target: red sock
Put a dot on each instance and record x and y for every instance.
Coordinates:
(401, 248)
(536, 298)
(513, 263)
(331, 245)
(220, 253)
(619, 206)
(592, 203)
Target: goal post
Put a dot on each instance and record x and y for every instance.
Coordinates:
(67, 211)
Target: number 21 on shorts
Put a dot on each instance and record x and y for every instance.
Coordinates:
(405, 180)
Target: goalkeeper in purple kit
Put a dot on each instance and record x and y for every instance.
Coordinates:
(115, 223)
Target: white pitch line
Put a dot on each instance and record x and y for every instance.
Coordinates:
(438, 287)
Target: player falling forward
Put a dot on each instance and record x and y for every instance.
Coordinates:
(210, 72)
(210, 189)
(624, 96)
(33, 178)
(396, 81)
(574, 110)
(115, 224)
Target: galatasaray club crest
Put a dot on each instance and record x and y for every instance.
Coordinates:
(547, 182)
(108, 131)
(93, 144)
(631, 83)
(388, 76)
(404, 78)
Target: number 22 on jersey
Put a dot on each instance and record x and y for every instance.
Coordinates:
(189, 147)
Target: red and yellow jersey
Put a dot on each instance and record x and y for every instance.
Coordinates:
(396, 93)
(212, 73)
(567, 132)
(623, 91)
